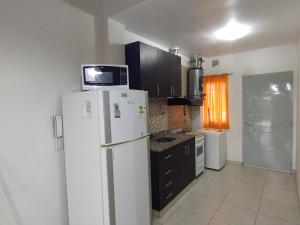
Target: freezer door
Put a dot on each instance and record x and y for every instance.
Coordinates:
(123, 116)
(126, 181)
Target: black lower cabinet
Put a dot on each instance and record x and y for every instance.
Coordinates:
(187, 170)
(172, 171)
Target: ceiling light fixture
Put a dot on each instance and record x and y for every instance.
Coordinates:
(232, 31)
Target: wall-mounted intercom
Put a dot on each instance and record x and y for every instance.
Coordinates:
(58, 131)
(58, 126)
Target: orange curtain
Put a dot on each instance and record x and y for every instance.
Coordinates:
(215, 107)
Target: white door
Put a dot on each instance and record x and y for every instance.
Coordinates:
(128, 183)
(123, 116)
(267, 117)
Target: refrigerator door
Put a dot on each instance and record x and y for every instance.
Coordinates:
(126, 183)
(123, 116)
(82, 159)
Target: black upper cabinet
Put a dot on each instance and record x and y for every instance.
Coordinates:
(153, 70)
(142, 60)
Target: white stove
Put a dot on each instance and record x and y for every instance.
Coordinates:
(199, 150)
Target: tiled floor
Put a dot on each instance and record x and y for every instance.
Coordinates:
(237, 196)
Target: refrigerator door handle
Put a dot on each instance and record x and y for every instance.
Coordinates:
(107, 119)
(110, 179)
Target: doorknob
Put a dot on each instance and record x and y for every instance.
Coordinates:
(247, 123)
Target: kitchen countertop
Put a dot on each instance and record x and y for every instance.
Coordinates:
(161, 146)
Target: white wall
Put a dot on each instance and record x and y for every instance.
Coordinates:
(42, 45)
(260, 61)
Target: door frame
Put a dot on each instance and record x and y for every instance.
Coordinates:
(294, 118)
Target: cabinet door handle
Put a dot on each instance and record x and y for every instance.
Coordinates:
(168, 184)
(168, 172)
(188, 149)
(169, 196)
(157, 89)
(168, 156)
(173, 90)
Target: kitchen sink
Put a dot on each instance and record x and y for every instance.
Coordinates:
(164, 139)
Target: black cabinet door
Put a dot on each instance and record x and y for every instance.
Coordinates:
(187, 164)
(169, 74)
(164, 73)
(182, 176)
(142, 63)
(175, 79)
(132, 59)
(148, 64)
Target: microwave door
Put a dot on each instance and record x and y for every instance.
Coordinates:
(99, 76)
(105, 75)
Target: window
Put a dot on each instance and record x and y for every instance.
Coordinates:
(215, 106)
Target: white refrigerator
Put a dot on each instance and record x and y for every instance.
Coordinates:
(107, 157)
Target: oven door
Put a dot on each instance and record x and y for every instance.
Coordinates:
(200, 150)
(104, 75)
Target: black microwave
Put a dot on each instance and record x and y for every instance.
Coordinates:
(103, 76)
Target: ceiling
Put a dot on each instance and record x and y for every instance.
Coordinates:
(107, 7)
(89, 6)
(189, 24)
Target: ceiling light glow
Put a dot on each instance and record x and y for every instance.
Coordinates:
(232, 31)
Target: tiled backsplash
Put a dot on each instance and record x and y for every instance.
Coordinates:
(163, 117)
(180, 117)
(158, 113)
